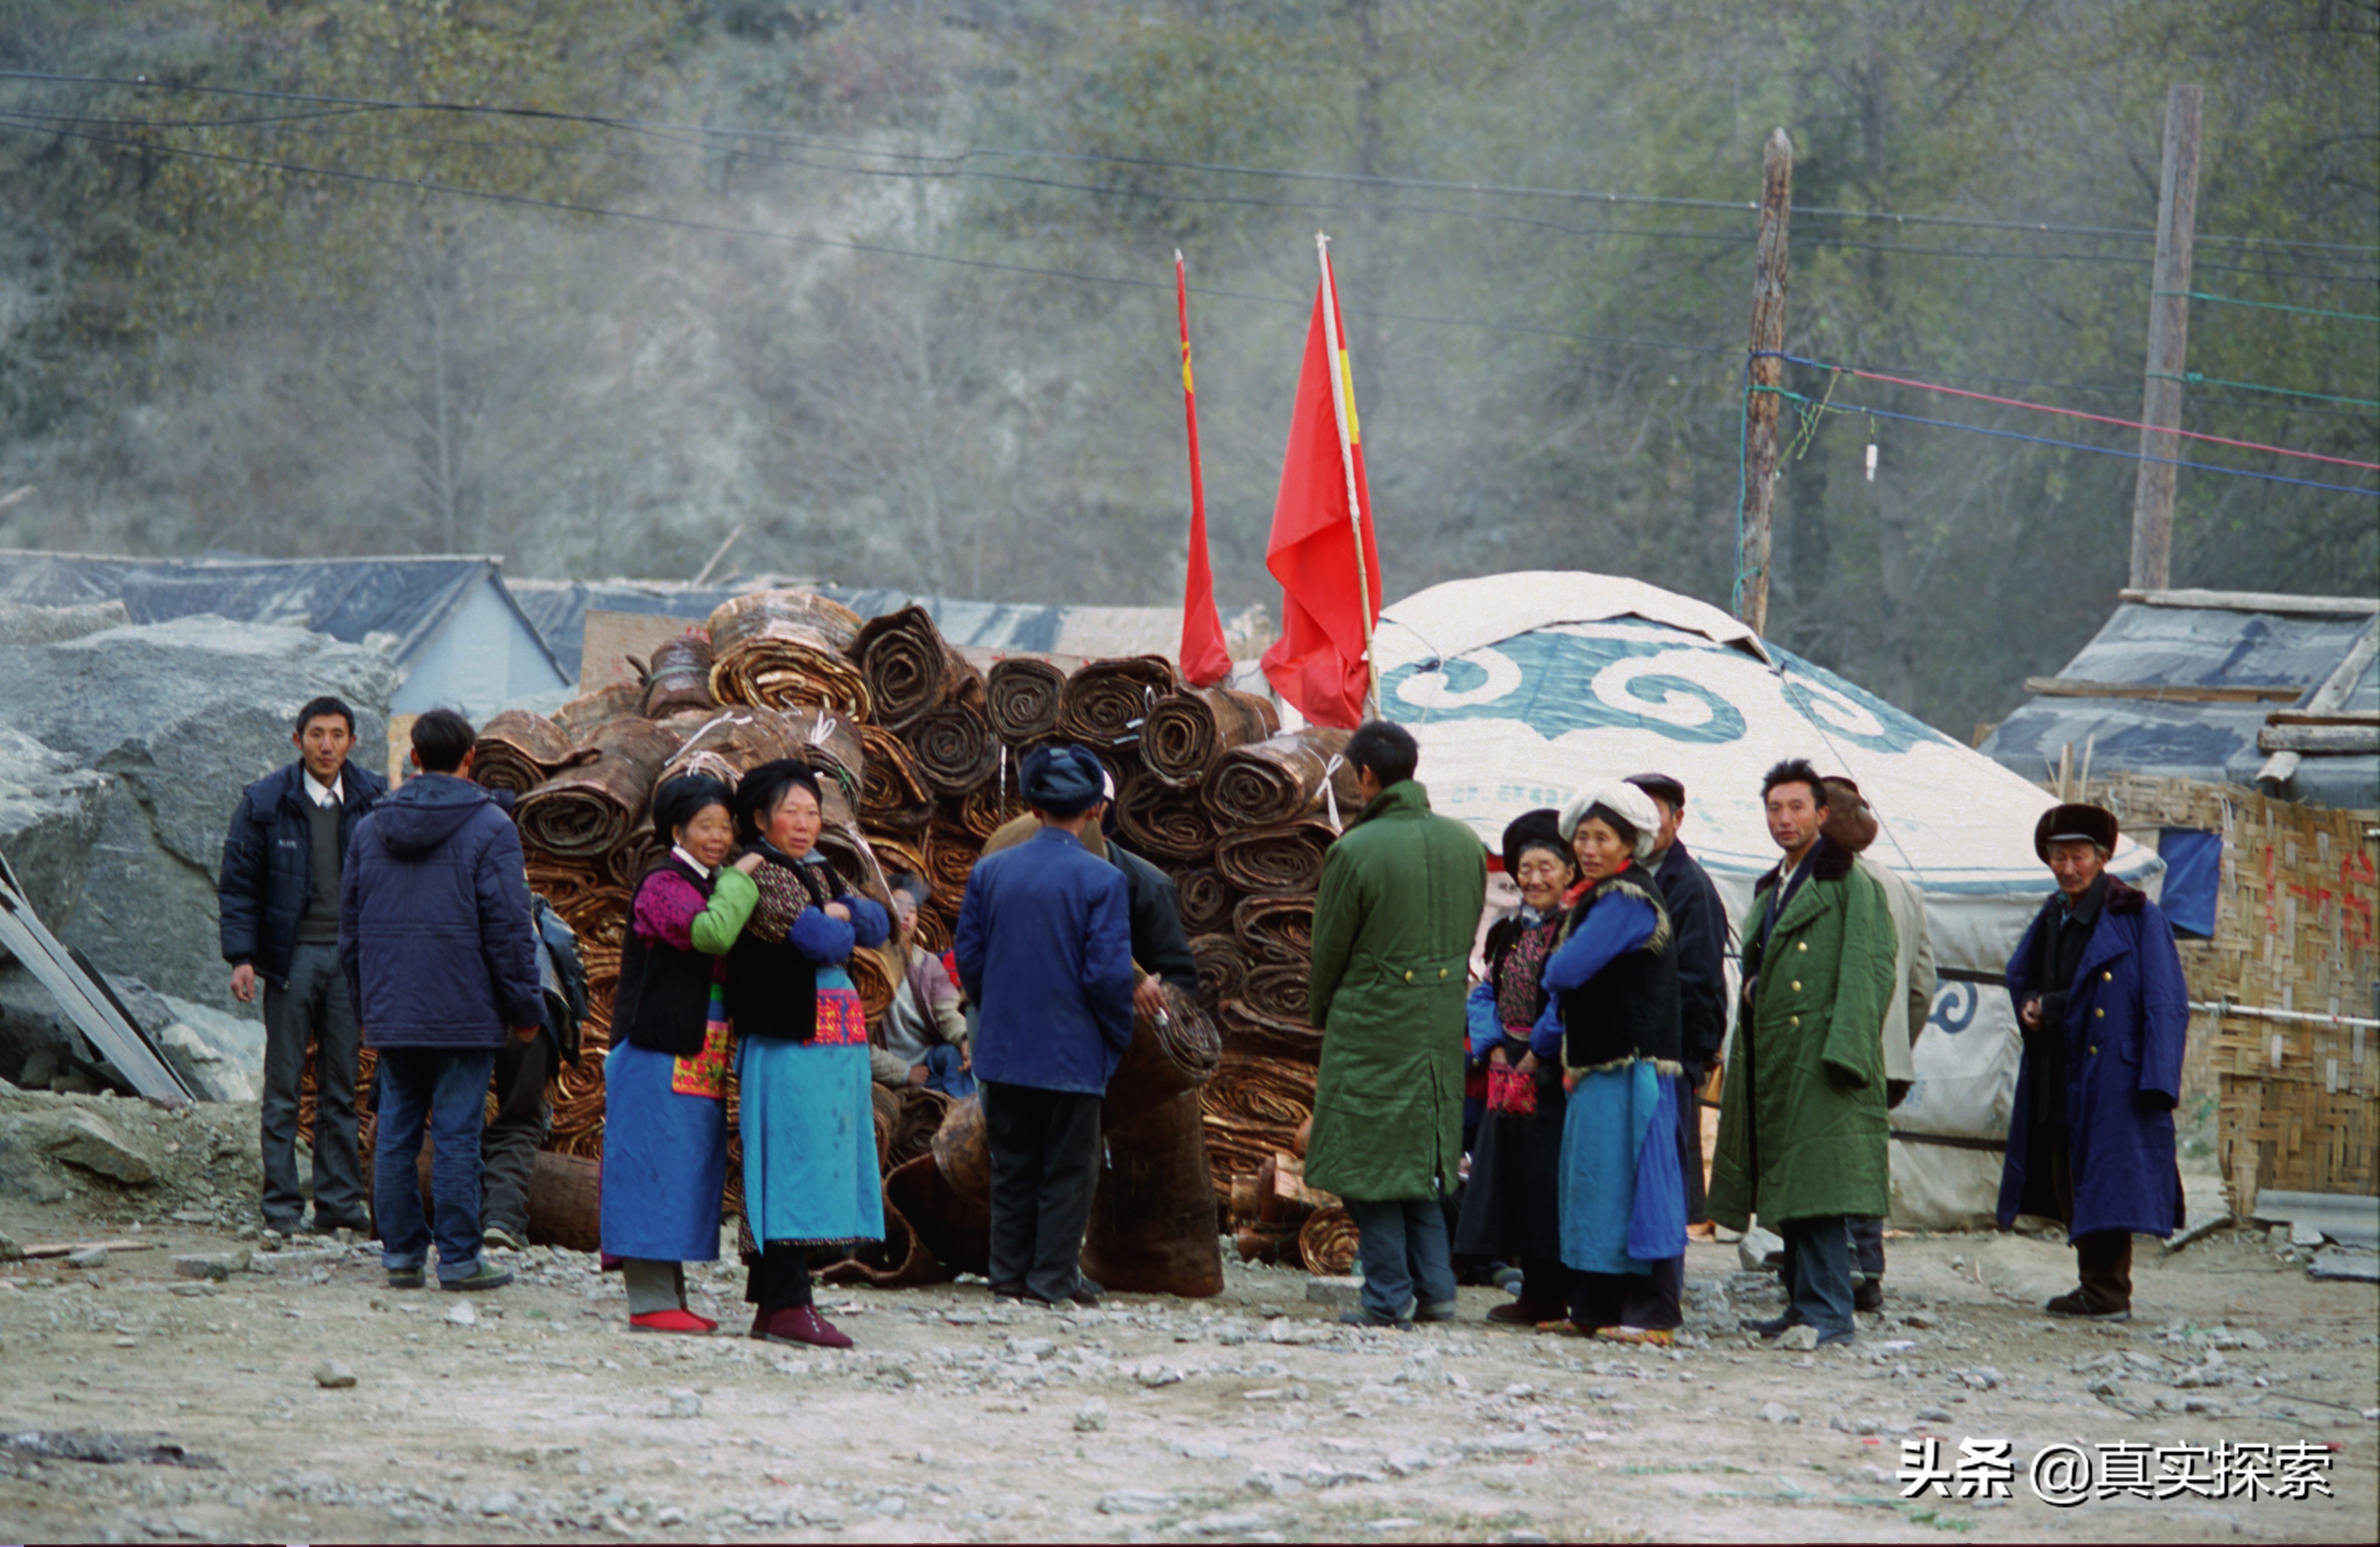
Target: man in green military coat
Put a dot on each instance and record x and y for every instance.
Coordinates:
(1400, 901)
(1802, 1136)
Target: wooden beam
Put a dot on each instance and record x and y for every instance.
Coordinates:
(2083, 687)
(2254, 601)
(2328, 700)
(2319, 738)
(2308, 716)
(1767, 371)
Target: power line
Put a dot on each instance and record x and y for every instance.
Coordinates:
(2198, 378)
(2067, 412)
(874, 249)
(2269, 306)
(2072, 445)
(1368, 179)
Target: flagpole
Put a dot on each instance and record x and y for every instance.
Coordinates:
(1347, 461)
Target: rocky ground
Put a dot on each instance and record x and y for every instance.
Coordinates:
(313, 1403)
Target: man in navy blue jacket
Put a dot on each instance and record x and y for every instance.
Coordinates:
(278, 899)
(1044, 949)
(441, 957)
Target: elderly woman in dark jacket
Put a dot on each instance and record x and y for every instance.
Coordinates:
(806, 1118)
(1510, 1202)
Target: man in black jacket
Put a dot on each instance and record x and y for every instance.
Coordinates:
(1698, 920)
(278, 898)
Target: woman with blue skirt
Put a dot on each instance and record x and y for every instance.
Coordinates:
(1611, 1019)
(665, 1081)
(807, 1119)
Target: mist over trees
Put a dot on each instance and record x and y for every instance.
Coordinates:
(199, 352)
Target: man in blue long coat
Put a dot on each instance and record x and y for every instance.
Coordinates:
(2103, 1009)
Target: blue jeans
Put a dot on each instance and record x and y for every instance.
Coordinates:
(1818, 1271)
(447, 1090)
(1407, 1261)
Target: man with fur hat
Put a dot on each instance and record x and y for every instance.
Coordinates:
(1699, 919)
(2104, 1011)
(1852, 826)
(1044, 946)
(1802, 1134)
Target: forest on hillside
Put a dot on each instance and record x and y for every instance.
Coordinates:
(887, 286)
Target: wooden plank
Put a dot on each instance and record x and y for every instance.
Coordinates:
(2308, 717)
(2083, 687)
(2319, 738)
(2257, 601)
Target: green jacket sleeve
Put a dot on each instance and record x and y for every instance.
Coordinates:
(733, 897)
(1337, 906)
(1863, 985)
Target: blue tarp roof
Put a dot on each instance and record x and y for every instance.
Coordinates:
(2198, 646)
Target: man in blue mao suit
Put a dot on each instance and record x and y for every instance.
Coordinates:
(2103, 1009)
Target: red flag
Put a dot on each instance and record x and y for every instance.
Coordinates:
(1331, 592)
(1205, 660)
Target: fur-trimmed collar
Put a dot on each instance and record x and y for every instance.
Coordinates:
(1828, 861)
(1630, 882)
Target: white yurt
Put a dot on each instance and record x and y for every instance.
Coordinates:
(1524, 688)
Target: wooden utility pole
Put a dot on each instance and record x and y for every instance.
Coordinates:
(2168, 344)
(1768, 370)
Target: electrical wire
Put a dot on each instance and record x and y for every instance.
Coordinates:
(1368, 179)
(2198, 378)
(2268, 306)
(2068, 412)
(2080, 446)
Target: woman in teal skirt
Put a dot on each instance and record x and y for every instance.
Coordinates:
(808, 1119)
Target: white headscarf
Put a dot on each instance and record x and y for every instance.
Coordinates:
(1627, 802)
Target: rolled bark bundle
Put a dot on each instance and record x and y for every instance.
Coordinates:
(874, 977)
(951, 853)
(1163, 823)
(519, 750)
(1278, 781)
(783, 647)
(585, 812)
(590, 712)
(1277, 990)
(1235, 1152)
(830, 742)
(726, 744)
(1106, 702)
(921, 1115)
(1189, 730)
(898, 1261)
(1222, 971)
(956, 1228)
(637, 853)
(577, 1092)
(678, 677)
(896, 855)
(1269, 1248)
(911, 669)
(848, 850)
(1022, 695)
(1329, 1241)
(563, 882)
(1275, 928)
(963, 1150)
(892, 794)
(1282, 859)
(1247, 1029)
(1167, 1057)
(1206, 900)
(1255, 1091)
(1152, 1227)
(955, 748)
(933, 931)
(599, 916)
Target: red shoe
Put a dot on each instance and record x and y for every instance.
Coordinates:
(802, 1323)
(706, 1324)
(669, 1321)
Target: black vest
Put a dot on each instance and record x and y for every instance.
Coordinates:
(664, 1002)
(1630, 1009)
(771, 987)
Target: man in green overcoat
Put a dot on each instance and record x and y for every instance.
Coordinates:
(1400, 903)
(1801, 1135)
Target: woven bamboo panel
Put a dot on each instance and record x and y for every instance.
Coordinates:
(2298, 1103)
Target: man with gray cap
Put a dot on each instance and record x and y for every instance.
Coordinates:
(1044, 946)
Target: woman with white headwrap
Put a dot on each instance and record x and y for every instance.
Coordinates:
(1611, 1019)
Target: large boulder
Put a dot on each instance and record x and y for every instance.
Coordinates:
(50, 814)
(181, 716)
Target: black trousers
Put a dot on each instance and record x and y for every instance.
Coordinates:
(1689, 1140)
(508, 1145)
(2103, 1259)
(780, 1280)
(1045, 1163)
(315, 1007)
(1651, 1302)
